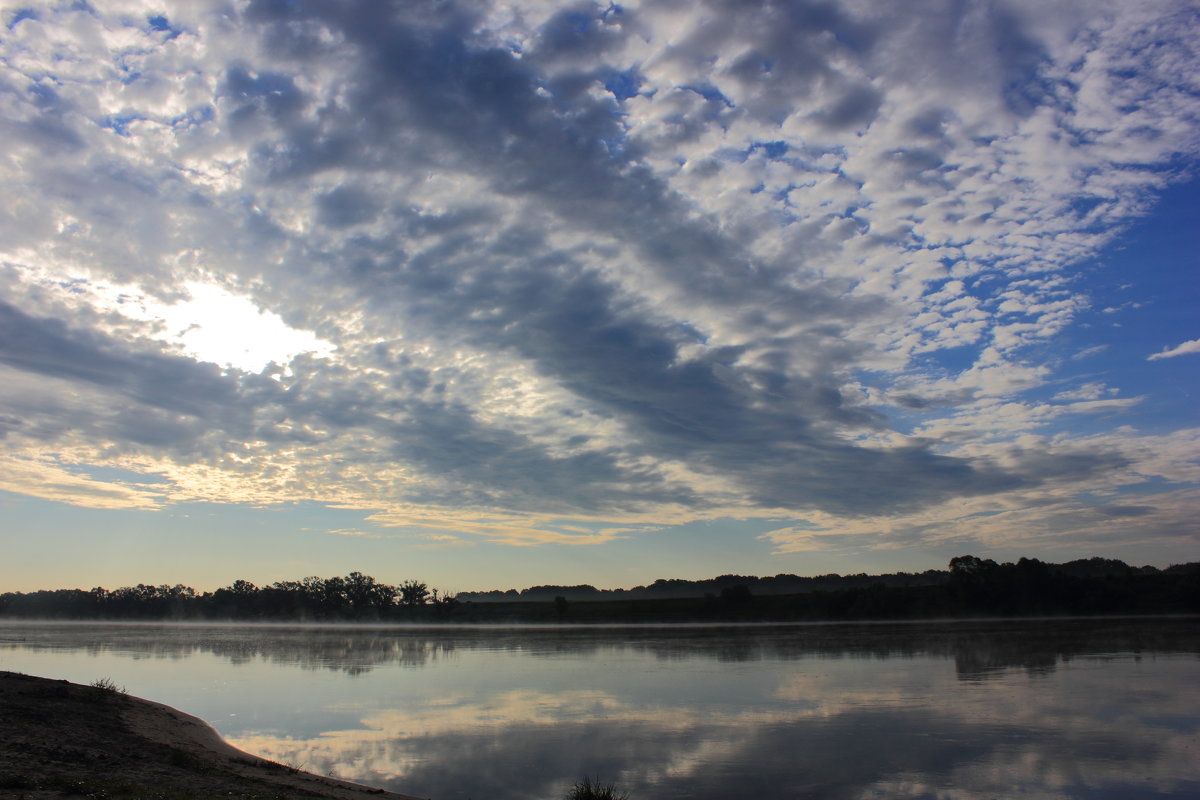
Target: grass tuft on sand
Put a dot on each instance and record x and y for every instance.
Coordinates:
(107, 685)
(587, 789)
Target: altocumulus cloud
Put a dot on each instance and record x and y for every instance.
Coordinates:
(580, 269)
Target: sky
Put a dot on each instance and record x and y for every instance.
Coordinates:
(498, 294)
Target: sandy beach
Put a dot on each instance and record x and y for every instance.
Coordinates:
(64, 740)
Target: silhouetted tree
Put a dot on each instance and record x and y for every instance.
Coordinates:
(413, 593)
(971, 568)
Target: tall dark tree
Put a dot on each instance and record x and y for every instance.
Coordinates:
(413, 593)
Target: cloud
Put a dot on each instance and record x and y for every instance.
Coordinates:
(1192, 346)
(49, 480)
(1081, 495)
(1092, 390)
(354, 533)
(1088, 352)
(701, 747)
(568, 273)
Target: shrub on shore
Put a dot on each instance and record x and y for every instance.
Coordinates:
(586, 789)
(107, 685)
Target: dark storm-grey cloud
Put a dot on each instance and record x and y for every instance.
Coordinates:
(345, 206)
(1068, 465)
(51, 348)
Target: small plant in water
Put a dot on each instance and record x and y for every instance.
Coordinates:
(108, 685)
(587, 789)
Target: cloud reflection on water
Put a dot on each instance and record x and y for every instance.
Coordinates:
(1013, 716)
(838, 744)
(965, 710)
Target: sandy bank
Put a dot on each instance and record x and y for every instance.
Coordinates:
(63, 740)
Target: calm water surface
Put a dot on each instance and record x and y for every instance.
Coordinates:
(1087, 709)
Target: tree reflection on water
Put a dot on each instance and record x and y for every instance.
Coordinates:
(956, 709)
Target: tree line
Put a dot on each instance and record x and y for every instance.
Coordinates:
(971, 586)
(353, 597)
(784, 583)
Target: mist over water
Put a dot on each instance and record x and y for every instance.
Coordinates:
(1087, 708)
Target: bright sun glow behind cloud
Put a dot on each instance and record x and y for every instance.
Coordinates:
(218, 326)
(209, 322)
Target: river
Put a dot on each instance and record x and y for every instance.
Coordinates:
(1036, 709)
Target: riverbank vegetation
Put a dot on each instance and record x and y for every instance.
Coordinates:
(587, 789)
(970, 587)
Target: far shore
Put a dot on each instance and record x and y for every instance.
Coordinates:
(61, 739)
(972, 588)
(519, 625)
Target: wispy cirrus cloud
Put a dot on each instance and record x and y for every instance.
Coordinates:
(1183, 349)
